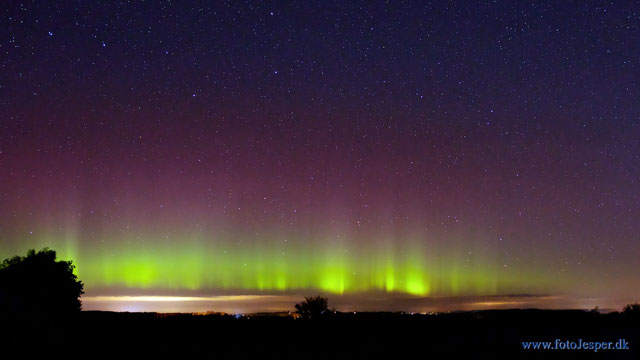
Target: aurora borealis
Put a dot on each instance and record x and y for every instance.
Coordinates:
(456, 150)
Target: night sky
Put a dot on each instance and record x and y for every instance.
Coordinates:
(392, 149)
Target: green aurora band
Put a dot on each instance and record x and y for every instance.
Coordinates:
(195, 264)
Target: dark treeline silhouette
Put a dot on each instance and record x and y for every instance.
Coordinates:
(491, 334)
(35, 286)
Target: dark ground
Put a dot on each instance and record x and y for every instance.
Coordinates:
(482, 334)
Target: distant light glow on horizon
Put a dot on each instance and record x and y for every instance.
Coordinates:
(161, 298)
(235, 304)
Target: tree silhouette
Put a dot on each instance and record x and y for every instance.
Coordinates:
(632, 310)
(312, 307)
(38, 284)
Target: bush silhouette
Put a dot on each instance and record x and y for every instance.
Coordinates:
(38, 284)
(312, 307)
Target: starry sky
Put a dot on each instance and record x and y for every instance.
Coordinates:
(393, 149)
